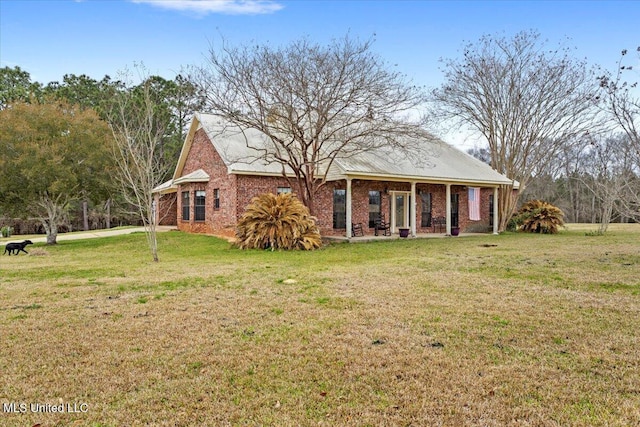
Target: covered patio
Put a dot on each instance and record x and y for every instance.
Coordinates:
(403, 205)
(455, 183)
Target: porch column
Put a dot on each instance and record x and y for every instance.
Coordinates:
(448, 209)
(495, 210)
(412, 210)
(348, 203)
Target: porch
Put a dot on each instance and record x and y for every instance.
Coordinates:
(371, 238)
(415, 206)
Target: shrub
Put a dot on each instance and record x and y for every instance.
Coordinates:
(6, 231)
(277, 222)
(537, 216)
(514, 223)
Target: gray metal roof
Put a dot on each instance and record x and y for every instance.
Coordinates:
(432, 161)
(436, 161)
(240, 149)
(195, 176)
(165, 187)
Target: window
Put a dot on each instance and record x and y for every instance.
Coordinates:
(216, 198)
(339, 208)
(199, 205)
(283, 190)
(425, 220)
(374, 207)
(186, 205)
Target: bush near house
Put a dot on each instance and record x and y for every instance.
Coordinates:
(537, 216)
(277, 222)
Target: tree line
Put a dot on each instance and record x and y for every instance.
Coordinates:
(560, 128)
(57, 142)
(594, 182)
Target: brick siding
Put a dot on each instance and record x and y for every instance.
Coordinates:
(217, 220)
(236, 192)
(167, 214)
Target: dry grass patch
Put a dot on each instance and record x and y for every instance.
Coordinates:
(442, 332)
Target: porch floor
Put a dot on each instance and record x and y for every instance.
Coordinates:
(361, 239)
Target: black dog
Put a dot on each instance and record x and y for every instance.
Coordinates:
(17, 247)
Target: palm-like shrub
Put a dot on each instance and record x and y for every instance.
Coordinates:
(537, 216)
(277, 222)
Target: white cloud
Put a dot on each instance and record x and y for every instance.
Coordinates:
(230, 7)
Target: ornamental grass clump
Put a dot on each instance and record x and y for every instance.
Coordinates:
(277, 222)
(537, 216)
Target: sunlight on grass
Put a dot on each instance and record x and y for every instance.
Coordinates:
(480, 330)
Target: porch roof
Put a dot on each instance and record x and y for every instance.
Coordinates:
(439, 162)
(166, 187)
(195, 176)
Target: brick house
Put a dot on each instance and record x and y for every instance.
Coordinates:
(218, 173)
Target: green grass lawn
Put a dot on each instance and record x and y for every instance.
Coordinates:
(522, 330)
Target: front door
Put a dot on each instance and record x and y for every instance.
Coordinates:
(399, 210)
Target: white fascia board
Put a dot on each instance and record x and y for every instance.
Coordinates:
(421, 179)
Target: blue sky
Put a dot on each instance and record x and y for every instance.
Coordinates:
(50, 38)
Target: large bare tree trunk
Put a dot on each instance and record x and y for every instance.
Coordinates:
(52, 214)
(507, 203)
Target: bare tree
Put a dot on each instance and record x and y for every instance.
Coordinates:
(622, 102)
(608, 163)
(527, 101)
(314, 103)
(575, 200)
(138, 140)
